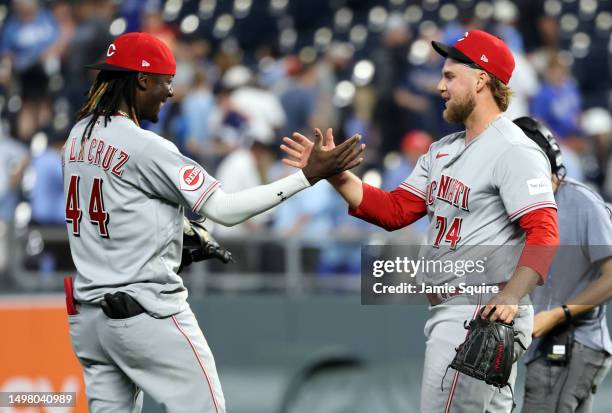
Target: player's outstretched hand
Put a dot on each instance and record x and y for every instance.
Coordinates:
(320, 160)
(298, 148)
(502, 307)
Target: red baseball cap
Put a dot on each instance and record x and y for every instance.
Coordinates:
(138, 52)
(482, 49)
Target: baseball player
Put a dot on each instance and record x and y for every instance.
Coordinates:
(486, 185)
(126, 190)
(570, 354)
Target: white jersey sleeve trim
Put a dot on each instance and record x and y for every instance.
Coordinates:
(413, 189)
(234, 208)
(538, 205)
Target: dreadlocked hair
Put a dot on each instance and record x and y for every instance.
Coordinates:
(105, 96)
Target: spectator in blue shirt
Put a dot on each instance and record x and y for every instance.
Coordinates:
(13, 159)
(197, 109)
(298, 97)
(47, 196)
(557, 103)
(26, 40)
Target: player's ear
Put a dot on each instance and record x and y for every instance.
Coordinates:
(481, 81)
(141, 81)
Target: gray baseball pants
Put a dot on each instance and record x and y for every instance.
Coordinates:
(444, 331)
(168, 358)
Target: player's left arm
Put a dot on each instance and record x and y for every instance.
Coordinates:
(389, 210)
(542, 239)
(523, 178)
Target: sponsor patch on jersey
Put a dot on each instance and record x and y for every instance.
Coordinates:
(539, 186)
(191, 178)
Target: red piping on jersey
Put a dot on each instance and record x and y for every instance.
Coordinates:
(212, 394)
(413, 189)
(451, 394)
(196, 206)
(537, 205)
(542, 240)
(389, 210)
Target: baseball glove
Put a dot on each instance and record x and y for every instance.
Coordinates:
(199, 245)
(488, 351)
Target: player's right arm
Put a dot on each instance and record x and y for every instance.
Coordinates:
(231, 209)
(389, 210)
(169, 175)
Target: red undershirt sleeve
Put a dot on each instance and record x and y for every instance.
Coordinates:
(542, 240)
(389, 210)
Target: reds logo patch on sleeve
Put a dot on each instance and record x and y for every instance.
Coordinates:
(191, 177)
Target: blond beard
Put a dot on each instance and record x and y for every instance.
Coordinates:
(459, 111)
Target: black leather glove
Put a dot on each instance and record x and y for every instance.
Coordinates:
(199, 245)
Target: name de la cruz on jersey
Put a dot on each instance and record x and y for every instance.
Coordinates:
(451, 190)
(105, 156)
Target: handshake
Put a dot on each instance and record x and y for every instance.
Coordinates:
(321, 158)
(199, 245)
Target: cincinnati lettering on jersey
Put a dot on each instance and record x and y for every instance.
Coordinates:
(449, 189)
(99, 154)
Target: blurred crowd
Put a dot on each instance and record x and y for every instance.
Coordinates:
(250, 72)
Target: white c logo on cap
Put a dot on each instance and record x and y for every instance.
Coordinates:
(111, 50)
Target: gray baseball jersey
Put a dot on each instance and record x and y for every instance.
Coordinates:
(126, 189)
(475, 193)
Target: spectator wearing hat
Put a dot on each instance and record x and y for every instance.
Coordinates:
(414, 144)
(261, 108)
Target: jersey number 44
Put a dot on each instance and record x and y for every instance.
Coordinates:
(97, 214)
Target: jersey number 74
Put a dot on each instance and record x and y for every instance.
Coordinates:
(97, 214)
(452, 236)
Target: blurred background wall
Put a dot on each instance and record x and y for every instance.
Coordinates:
(274, 354)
